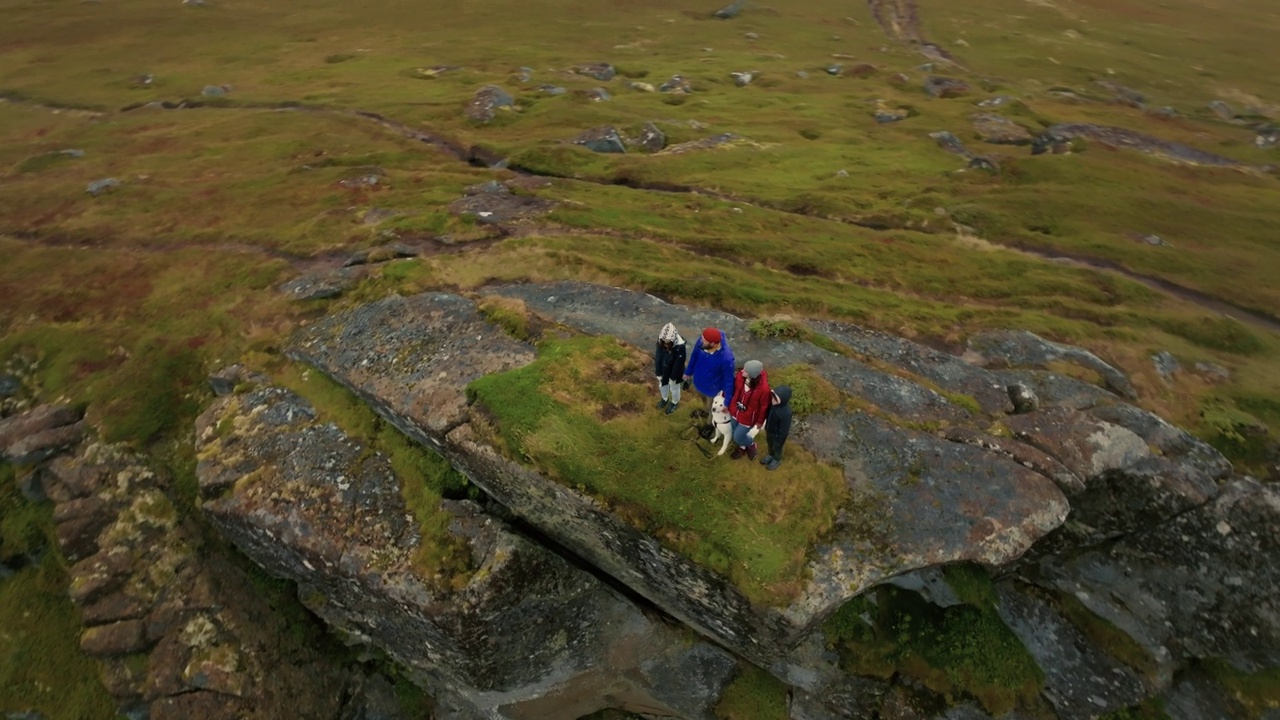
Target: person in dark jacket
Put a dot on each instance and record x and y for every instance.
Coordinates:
(711, 365)
(778, 426)
(668, 367)
(750, 407)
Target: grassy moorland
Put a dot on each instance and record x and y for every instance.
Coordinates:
(125, 300)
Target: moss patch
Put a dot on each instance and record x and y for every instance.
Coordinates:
(580, 414)
(753, 695)
(960, 652)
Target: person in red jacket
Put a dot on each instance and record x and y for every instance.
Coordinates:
(749, 408)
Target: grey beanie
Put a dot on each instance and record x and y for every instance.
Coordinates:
(753, 368)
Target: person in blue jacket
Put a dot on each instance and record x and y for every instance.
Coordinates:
(711, 365)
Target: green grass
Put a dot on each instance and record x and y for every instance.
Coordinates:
(41, 666)
(753, 695)
(581, 414)
(960, 652)
(1257, 692)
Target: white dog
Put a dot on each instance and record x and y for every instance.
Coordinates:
(720, 420)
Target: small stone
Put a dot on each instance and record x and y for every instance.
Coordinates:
(553, 90)
(751, 36)
(599, 95)
(742, 79)
(834, 68)
(996, 101)
(1166, 365)
(215, 90)
(72, 153)
(886, 114)
(1214, 372)
(651, 139)
(486, 102)
(842, 173)
(1024, 399)
(603, 139)
(1166, 112)
(641, 86)
(677, 84)
(523, 75)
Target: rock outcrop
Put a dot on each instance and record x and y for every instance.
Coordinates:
(519, 633)
(417, 378)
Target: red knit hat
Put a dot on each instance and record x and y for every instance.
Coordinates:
(711, 336)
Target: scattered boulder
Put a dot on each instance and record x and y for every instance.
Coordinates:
(677, 84)
(604, 139)
(1122, 94)
(884, 113)
(381, 254)
(603, 72)
(641, 86)
(1268, 137)
(10, 385)
(945, 87)
(951, 143)
(997, 101)
(370, 180)
(598, 95)
(97, 187)
(742, 79)
(1222, 110)
(721, 140)
(834, 68)
(1167, 112)
(319, 286)
(486, 102)
(1166, 365)
(1024, 399)
(1000, 130)
(523, 75)
(225, 380)
(651, 139)
(553, 90)
(1213, 372)
(215, 90)
(493, 203)
(733, 10)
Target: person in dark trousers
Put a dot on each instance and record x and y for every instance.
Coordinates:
(777, 427)
(668, 367)
(711, 365)
(749, 408)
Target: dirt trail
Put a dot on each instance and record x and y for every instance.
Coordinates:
(900, 20)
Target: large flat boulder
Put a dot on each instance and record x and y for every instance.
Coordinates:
(935, 503)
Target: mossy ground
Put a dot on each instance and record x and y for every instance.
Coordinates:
(584, 414)
(753, 695)
(129, 297)
(964, 651)
(41, 666)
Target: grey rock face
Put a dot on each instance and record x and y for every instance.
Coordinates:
(484, 105)
(1019, 348)
(319, 287)
(1200, 585)
(528, 634)
(1080, 681)
(1196, 695)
